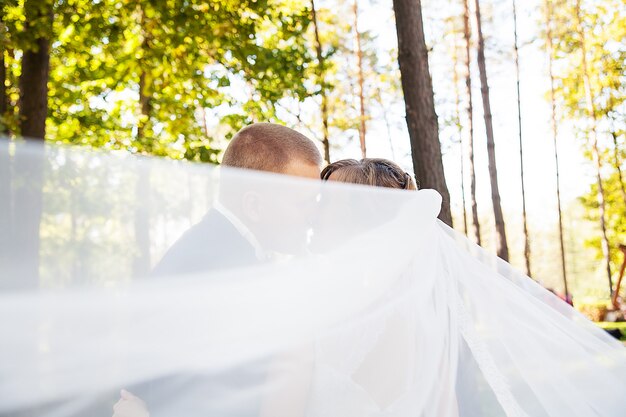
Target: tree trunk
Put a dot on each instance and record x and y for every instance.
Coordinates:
(3, 77)
(205, 126)
(325, 139)
(141, 262)
(33, 110)
(470, 119)
(322, 82)
(27, 198)
(591, 112)
(457, 116)
(145, 93)
(145, 108)
(521, 147)
(5, 202)
(4, 100)
(359, 57)
(502, 248)
(554, 140)
(418, 96)
(33, 83)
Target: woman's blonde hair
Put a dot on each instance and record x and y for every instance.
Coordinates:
(370, 171)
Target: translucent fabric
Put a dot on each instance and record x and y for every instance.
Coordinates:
(205, 291)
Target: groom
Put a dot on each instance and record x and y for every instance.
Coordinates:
(231, 233)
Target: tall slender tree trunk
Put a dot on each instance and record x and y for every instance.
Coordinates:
(470, 118)
(548, 4)
(3, 78)
(141, 261)
(33, 83)
(501, 245)
(145, 93)
(145, 107)
(33, 109)
(359, 57)
(322, 83)
(6, 209)
(5, 168)
(521, 145)
(457, 116)
(205, 125)
(591, 112)
(27, 201)
(141, 225)
(418, 96)
(325, 131)
(4, 100)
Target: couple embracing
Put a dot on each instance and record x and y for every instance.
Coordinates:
(242, 239)
(241, 229)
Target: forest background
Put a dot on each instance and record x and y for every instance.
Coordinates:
(178, 78)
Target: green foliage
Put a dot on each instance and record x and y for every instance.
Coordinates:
(603, 24)
(178, 78)
(615, 216)
(142, 75)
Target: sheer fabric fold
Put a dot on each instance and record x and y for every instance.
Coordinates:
(349, 301)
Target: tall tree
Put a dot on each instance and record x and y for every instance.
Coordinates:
(33, 106)
(145, 87)
(419, 101)
(554, 125)
(4, 99)
(501, 245)
(361, 81)
(5, 160)
(34, 38)
(5, 201)
(521, 145)
(591, 112)
(470, 118)
(457, 121)
(321, 72)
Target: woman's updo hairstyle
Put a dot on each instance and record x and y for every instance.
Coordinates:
(369, 171)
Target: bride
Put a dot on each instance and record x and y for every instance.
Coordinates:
(351, 300)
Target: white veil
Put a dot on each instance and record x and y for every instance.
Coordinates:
(213, 292)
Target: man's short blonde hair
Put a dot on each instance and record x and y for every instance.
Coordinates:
(270, 147)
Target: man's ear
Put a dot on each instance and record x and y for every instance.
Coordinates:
(251, 204)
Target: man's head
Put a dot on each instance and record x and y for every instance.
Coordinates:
(273, 148)
(278, 212)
